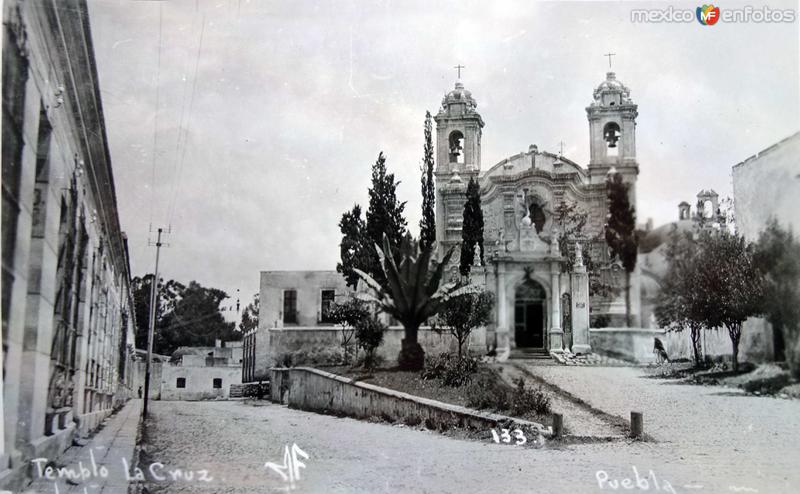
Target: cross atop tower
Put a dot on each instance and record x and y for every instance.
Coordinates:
(609, 55)
(459, 67)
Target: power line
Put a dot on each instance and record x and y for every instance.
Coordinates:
(155, 117)
(174, 195)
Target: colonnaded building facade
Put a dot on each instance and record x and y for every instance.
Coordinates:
(543, 299)
(67, 309)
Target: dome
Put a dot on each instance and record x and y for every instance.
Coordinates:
(612, 86)
(459, 95)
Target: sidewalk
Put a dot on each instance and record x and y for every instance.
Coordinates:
(101, 466)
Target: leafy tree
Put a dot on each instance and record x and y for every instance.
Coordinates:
(777, 256)
(620, 232)
(729, 282)
(354, 245)
(384, 217)
(472, 229)
(679, 303)
(462, 314)
(186, 315)
(250, 315)
(348, 315)
(369, 334)
(571, 226)
(413, 294)
(169, 295)
(197, 319)
(427, 225)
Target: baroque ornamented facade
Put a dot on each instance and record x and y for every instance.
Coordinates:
(543, 300)
(67, 317)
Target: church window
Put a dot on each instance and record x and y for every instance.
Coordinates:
(180, 382)
(456, 142)
(290, 306)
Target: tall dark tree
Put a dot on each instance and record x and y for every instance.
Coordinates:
(384, 217)
(620, 232)
(472, 228)
(777, 257)
(354, 243)
(427, 225)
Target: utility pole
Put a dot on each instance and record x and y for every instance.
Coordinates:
(151, 329)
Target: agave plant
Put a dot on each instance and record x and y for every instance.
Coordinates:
(414, 292)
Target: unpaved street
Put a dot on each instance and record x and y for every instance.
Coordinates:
(233, 440)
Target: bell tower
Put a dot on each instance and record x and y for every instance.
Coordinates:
(612, 131)
(458, 158)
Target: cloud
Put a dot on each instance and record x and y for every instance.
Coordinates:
(293, 102)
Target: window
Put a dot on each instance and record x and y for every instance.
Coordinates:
(290, 306)
(181, 382)
(328, 297)
(217, 383)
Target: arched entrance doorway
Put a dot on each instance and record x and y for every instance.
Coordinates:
(529, 315)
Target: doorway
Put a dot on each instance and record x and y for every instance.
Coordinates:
(529, 315)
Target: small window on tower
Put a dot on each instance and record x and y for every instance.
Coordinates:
(456, 147)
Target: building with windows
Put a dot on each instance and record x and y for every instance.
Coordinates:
(67, 317)
(202, 373)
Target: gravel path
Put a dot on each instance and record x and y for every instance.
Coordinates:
(233, 440)
(720, 428)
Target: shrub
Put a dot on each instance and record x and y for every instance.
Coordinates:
(487, 391)
(369, 335)
(529, 400)
(314, 356)
(453, 371)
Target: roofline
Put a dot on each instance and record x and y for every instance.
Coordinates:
(768, 150)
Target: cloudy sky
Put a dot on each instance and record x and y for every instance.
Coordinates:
(271, 113)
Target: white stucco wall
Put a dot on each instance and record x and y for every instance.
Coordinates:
(768, 185)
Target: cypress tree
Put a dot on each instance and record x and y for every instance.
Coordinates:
(384, 216)
(621, 233)
(472, 228)
(351, 249)
(427, 225)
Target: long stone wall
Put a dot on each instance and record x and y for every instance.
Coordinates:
(636, 344)
(314, 390)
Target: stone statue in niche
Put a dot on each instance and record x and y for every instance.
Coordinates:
(529, 240)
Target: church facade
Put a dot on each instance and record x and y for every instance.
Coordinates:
(543, 297)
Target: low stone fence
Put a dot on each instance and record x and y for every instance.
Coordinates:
(318, 391)
(318, 339)
(636, 344)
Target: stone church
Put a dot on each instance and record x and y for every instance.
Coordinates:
(542, 304)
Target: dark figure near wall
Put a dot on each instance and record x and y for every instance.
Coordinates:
(140, 391)
(660, 352)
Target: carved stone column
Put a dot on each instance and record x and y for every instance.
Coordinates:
(580, 305)
(556, 334)
(503, 340)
